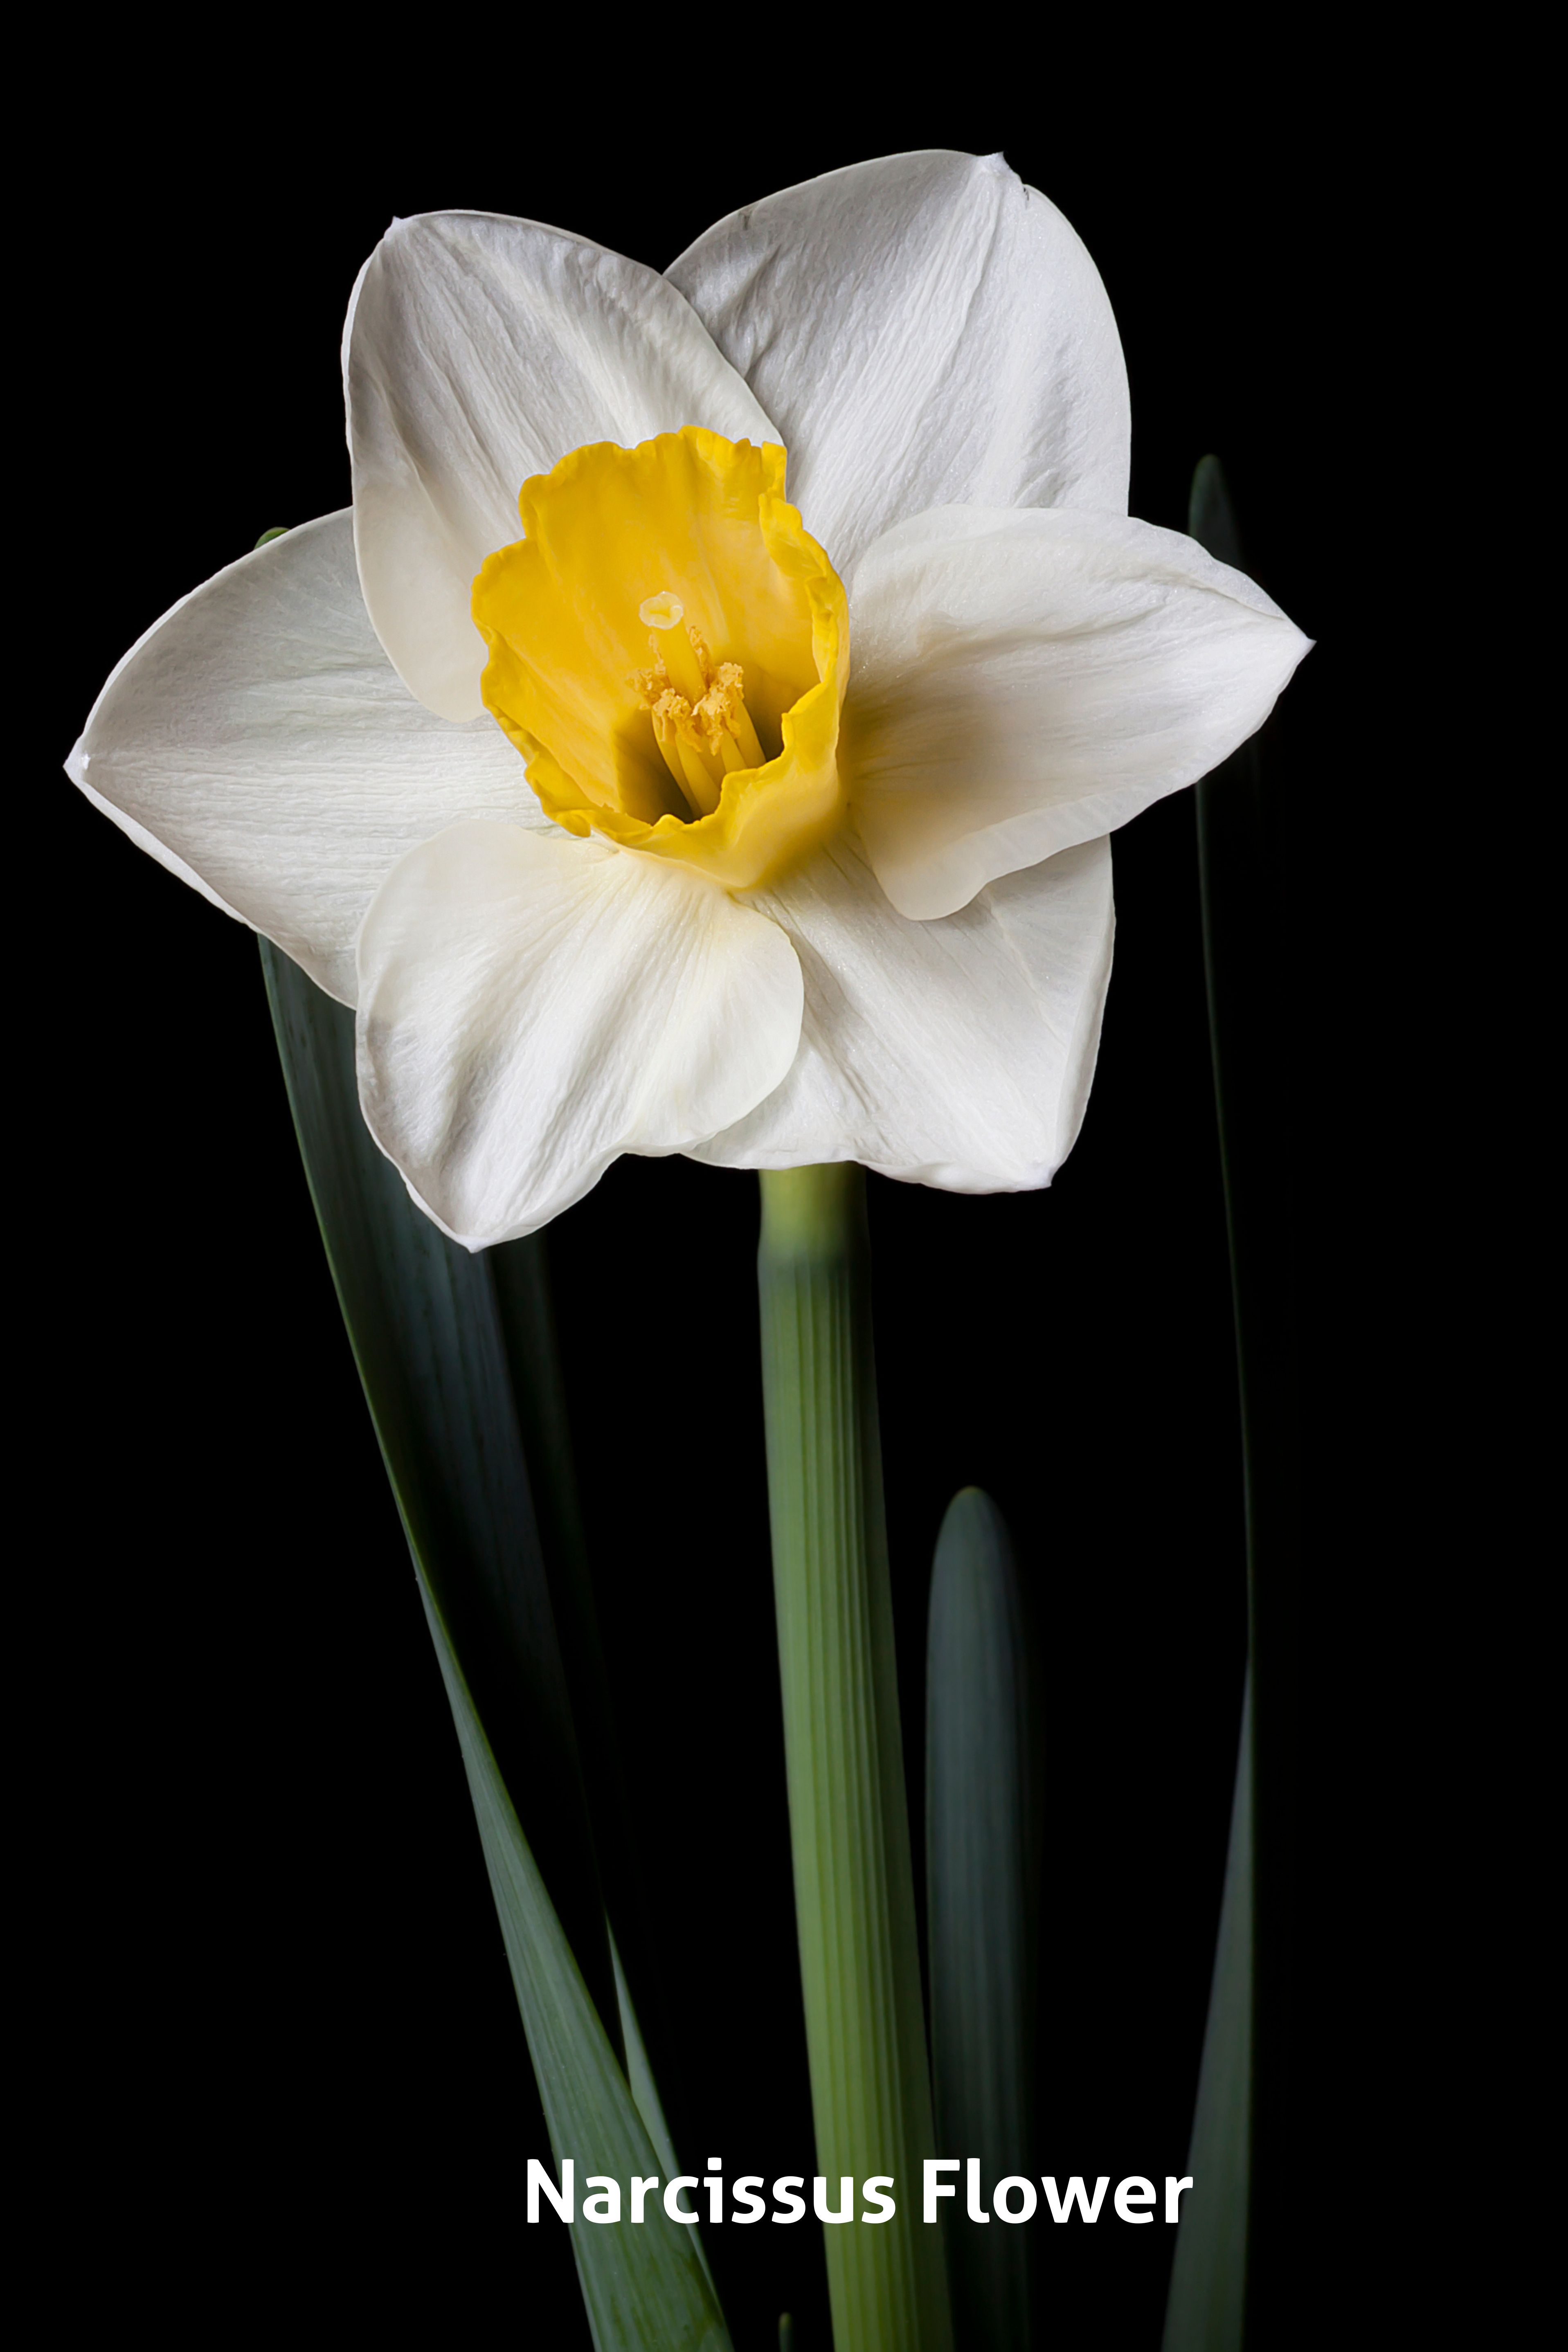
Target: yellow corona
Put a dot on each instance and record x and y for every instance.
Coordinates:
(668, 651)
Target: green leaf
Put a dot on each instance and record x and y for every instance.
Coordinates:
(625, 1856)
(1222, 2294)
(646, 2287)
(1206, 2310)
(982, 1882)
(422, 1318)
(1211, 518)
(849, 1832)
(426, 1333)
(645, 2093)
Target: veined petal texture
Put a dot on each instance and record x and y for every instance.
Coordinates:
(956, 1053)
(259, 744)
(1025, 681)
(479, 350)
(922, 329)
(532, 1006)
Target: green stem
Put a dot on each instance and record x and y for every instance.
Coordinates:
(848, 1818)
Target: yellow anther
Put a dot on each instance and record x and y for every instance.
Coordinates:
(699, 716)
(724, 724)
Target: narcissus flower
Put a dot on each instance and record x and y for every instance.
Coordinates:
(639, 805)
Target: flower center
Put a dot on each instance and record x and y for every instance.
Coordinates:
(700, 722)
(721, 752)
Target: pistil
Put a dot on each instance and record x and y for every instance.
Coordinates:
(674, 647)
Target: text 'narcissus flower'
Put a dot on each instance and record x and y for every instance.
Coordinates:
(639, 801)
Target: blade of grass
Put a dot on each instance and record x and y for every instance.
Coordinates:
(982, 1881)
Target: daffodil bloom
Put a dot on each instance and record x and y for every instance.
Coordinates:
(641, 800)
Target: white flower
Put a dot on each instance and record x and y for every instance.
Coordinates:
(605, 924)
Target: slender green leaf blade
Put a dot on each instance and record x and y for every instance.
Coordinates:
(1207, 2308)
(644, 2091)
(1211, 518)
(981, 1881)
(639, 2073)
(645, 2285)
(423, 1321)
(422, 1318)
(623, 1852)
(1241, 2148)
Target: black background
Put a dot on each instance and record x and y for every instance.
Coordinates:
(287, 2076)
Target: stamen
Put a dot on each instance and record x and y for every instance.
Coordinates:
(700, 787)
(668, 709)
(724, 722)
(741, 725)
(698, 708)
(746, 735)
(704, 658)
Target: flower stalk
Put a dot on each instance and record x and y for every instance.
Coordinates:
(848, 1816)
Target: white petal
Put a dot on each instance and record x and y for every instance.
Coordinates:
(479, 350)
(259, 743)
(956, 1053)
(1025, 681)
(922, 329)
(530, 1007)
